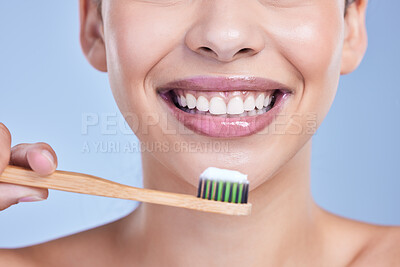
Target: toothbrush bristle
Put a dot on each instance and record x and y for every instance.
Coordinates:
(225, 191)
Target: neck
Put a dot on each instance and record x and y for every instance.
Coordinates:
(280, 228)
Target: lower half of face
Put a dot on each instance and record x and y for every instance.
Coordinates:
(241, 85)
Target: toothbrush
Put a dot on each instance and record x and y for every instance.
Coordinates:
(220, 191)
(223, 185)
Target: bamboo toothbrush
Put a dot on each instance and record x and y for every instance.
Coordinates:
(220, 191)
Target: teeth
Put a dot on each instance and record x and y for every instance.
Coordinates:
(249, 103)
(202, 103)
(182, 101)
(217, 106)
(260, 101)
(252, 112)
(267, 101)
(191, 101)
(235, 105)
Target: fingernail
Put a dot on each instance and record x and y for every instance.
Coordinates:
(30, 199)
(48, 156)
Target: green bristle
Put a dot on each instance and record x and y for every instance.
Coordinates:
(240, 193)
(234, 189)
(207, 188)
(224, 191)
(227, 191)
(221, 184)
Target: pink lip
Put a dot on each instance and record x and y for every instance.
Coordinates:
(203, 83)
(215, 126)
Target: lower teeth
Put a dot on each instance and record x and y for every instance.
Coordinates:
(244, 114)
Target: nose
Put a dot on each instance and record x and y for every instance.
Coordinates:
(225, 31)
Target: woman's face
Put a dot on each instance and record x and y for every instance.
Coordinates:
(289, 50)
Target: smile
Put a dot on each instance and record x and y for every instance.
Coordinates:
(224, 104)
(225, 107)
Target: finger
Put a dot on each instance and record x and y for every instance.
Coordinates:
(11, 194)
(40, 157)
(5, 145)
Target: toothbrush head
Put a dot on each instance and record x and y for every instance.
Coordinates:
(223, 185)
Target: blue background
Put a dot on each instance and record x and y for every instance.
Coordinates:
(47, 86)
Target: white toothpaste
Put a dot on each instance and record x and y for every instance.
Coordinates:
(217, 174)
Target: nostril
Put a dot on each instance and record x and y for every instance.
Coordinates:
(223, 55)
(244, 51)
(205, 48)
(207, 51)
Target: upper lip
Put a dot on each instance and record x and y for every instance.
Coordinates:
(236, 83)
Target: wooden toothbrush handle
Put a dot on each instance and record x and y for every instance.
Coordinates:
(92, 185)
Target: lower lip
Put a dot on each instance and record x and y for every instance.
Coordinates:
(215, 126)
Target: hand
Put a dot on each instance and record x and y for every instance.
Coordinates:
(39, 157)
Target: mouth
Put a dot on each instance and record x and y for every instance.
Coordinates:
(225, 107)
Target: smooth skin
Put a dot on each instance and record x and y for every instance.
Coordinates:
(306, 44)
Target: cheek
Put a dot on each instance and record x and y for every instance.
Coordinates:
(312, 45)
(137, 37)
(313, 40)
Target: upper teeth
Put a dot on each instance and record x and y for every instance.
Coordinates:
(183, 101)
(235, 105)
(217, 106)
(260, 101)
(191, 101)
(249, 103)
(202, 103)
